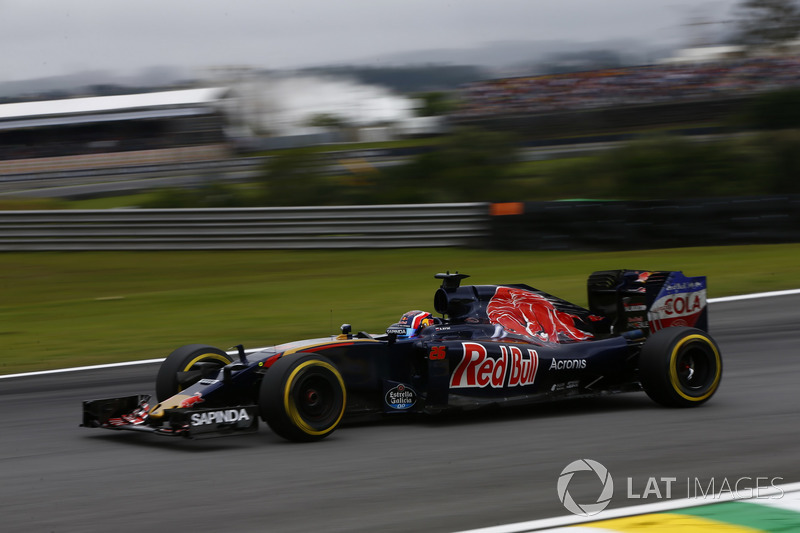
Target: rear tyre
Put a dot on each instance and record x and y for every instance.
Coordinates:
(302, 397)
(680, 367)
(186, 366)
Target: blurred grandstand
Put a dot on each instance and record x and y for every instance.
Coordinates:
(654, 84)
(177, 126)
(698, 87)
(105, 131)
(189, 125)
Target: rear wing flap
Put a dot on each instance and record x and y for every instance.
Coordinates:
(648, 300)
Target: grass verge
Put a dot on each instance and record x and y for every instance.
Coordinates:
(68, 309)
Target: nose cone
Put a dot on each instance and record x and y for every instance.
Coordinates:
(179, 400)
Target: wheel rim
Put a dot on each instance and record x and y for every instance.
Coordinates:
(695, 368)
(315, 398)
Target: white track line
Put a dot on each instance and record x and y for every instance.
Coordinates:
(79, 368)
(753, 296)
(110, 365)
(671, 505)
(150, 361)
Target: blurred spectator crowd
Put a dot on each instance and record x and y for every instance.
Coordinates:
(628, 86)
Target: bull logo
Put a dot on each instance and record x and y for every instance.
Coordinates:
(530, 314)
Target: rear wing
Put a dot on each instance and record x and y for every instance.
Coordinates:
(648, 300)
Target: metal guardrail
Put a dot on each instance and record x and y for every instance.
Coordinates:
(631, 225)
(136, 178)
(381, 226)
(131, 179)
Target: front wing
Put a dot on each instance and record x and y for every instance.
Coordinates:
(132, 413)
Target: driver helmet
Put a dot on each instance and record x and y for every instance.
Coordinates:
(411, 324)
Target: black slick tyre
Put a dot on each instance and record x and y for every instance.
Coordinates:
(680, 367)
(302, 397)
(186, 366)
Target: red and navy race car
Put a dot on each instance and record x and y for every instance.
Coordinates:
(490, 344)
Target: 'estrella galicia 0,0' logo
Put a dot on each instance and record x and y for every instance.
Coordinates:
(587, 509)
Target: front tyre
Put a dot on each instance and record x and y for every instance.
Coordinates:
(186, 366)
(302, 397)
(680, 367)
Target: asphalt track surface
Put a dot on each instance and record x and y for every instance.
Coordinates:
(425, 474)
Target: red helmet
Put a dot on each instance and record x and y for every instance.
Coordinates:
(410, 324)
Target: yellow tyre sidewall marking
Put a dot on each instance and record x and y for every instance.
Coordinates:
(222, 358)
(291, 408)
(158, 410)
(673, 368)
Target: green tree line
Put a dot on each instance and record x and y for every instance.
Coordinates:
(475, 165)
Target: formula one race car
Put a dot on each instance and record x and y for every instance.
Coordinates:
(493, 344)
